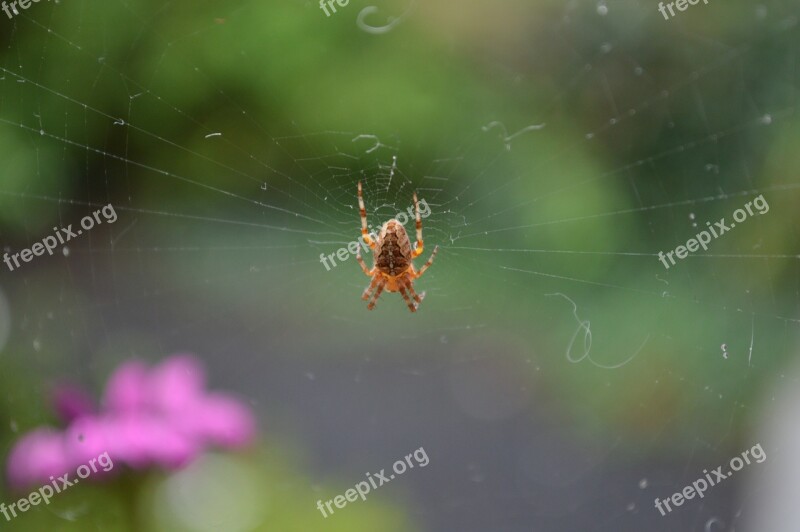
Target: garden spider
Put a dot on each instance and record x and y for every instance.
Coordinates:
(392, 256)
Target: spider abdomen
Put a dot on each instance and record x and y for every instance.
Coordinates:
(393, 253)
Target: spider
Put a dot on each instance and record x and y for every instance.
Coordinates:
(392, 256)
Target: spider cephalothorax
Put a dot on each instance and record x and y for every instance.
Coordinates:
(392, 255)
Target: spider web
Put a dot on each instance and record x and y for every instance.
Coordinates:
(547, 289)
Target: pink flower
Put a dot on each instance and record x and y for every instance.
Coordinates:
(38, 455)
(71, 403)
(149, 417)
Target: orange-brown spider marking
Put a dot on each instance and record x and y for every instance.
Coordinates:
(392, 256)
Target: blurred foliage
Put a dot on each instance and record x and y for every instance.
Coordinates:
(639, 112)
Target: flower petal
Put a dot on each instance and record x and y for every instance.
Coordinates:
(176, 384)
(86, 438)
(38, 455)
(143, 440)
(71, 402)
(221, 420)
(126, 389)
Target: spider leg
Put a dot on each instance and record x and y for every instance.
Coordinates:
(365, 295)
(377, 294)
(361, 263)
(427, 264)
(410, 286)
(411, 306)
(364, 233)
(418, 245)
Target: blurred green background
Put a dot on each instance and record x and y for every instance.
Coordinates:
(650, 128)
